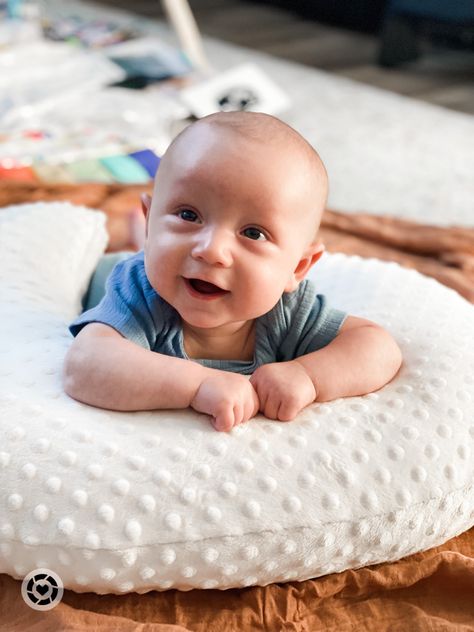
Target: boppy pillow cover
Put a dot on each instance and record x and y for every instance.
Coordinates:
(119, 502)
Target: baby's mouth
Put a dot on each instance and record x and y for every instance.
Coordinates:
(204, 287)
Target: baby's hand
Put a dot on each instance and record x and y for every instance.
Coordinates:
(283, 388)
(228, 397)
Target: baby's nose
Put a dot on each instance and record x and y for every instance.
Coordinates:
(213, 247)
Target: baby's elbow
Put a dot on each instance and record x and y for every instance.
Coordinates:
(397, 358)
(393, 353)
(71, 376)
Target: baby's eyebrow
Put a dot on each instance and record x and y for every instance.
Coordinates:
(176, 200)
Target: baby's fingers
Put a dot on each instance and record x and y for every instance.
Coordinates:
(260, 399)
(224, 420)
(239, 414)
(251, 408)
(222, 424)
(287, 411)
(271, 407)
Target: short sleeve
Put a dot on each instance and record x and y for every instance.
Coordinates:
(310, 322)
(130, 305)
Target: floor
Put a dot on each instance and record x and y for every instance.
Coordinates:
(443, 77)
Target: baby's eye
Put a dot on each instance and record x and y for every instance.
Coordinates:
(187, 214)
(254, 232)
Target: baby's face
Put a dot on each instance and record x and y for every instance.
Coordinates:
(233, 212)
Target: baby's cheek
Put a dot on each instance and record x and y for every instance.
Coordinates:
(275, 281)
(261, 298)
(157, 275)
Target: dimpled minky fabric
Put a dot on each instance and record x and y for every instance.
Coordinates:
(121, 502)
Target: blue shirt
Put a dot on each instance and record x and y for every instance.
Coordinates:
(301, 321)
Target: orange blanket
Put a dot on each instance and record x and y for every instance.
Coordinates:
(447, 254)
(429, 591)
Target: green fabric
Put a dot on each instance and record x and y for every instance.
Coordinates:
(96, 289)
(89, 170)
(125, 169)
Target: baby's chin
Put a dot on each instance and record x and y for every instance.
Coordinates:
(216, 320)
(204, 321)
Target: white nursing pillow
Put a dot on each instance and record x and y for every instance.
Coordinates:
(119, 502)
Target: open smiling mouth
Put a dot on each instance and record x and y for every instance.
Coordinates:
(203, 289)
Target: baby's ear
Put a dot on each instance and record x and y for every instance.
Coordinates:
(146, 206)
(146, 203)
(311, 256)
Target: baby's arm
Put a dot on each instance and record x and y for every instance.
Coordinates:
(362, 358)
(106, 370)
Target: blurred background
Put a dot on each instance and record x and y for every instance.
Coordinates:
(94, 92)
(420, 48)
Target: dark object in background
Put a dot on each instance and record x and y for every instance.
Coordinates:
(148, 67)
(358, 15)
(408, 22)
(238, 98)
(403, 24)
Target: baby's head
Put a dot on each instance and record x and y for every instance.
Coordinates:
(237, 202)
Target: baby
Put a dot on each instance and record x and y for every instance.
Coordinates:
(219, 291)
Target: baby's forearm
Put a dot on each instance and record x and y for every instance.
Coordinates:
(116, 374)
(357, 362)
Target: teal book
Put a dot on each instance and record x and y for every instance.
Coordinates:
(125, 169)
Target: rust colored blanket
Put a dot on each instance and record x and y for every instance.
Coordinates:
(429, 591)
(447, 254)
